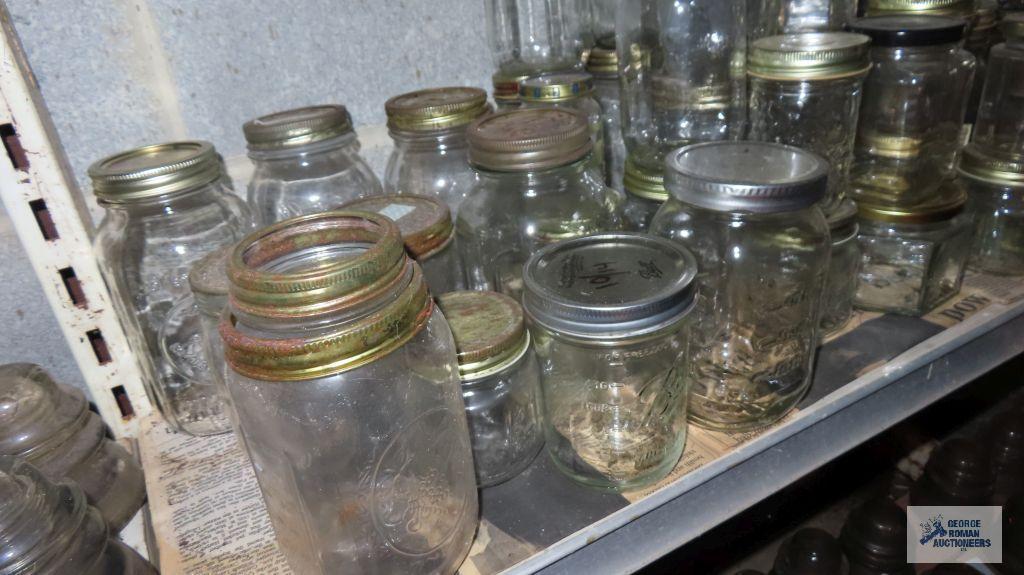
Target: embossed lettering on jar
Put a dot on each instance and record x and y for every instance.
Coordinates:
(995, 197)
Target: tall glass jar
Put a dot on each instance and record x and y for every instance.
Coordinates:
(645, 193)
(913, 108)
(1000, 125)
(506, 90)
(429, 235)
(575, 91)
(775, 17)
(995, 198)
(750, 213)
(843, 265)
(500, 382)
(805, 91)
(537, 36)
(429, 131)
(345, 384)
(166, 208)
(603, 65)
(306, 161)
(978, 43)
(535, 189)
(602, 22)
(609, 315)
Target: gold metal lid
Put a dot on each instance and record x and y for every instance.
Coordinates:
(553, 88)
(886, 146)
(1012, 26)
(298, 127)
(529, 140)
(963, 8)
(489, 329)
(436, 109)
(809, 56)
(671, 93)
(947, 202)
(154, 171)
(425, 222)
(603, 62)
(506, 87)
(643, 183)
(1001, 169)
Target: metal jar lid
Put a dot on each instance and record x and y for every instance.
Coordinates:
(554, 88)
(490, 333)
(906, 30)
(529, 140)
(436, 109)
(646, 184)
(809, 56)
(153, 171)
(603, 62)
(610, 287)
(888, 146)
(506, 86)
(947, 202)
(424, 222)
(298, 127)
(1012, 26)
(963, 8)
(36, 414)
(758, 177)
(999, 169)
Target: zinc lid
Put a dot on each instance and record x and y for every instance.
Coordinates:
(643, 183)
(997, 168)
(436, 109)
(36, 413)
(899, 30)
(759, 177)
(964, 8)
(489, 331)
(610, 286)
(298, 127)
(209, 276)
(529, 140)
(947, 202)
(506, 86)
(153, 171)
(603, 62)
(552, 88)
(424, 222)
(809, 56)
(1012, 26)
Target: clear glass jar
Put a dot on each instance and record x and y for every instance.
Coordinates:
(602, 22)
(575, 91)
(51, 427)
(535, 189)
(805, 91)
(345, 385)
(995, 199)
(843, 265)
(208, 280)
(50, 529)
(500, 382)
(1000, 125)
(913, 108)
(306, 161)
(165, 209)
(429, 131)
(429, 235)
(775, 17)
(603, 65)
(645, 193)
(506, 90)
(537, 36)
(749, 212)
(913, 259)
(609, 315)
(980, 41)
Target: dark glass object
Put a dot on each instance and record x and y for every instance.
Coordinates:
(810, 551)
(875, 539)
(958, 473)
(1007, 439)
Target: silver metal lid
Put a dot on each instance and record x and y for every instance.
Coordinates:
(610, 286)
(758, 177)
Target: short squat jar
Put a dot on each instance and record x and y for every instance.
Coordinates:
(603, 65)
(749, 211)
(913, 259)
(536, 188)
(610, 317)
(995, 197)
(500, 382)
(429, 235)
(345, 384)
(306, 161)
(805, 91)
(645, 193)
(1000, 125)
(429, 131)
(575, 91)
(166, 209)
(844, 262)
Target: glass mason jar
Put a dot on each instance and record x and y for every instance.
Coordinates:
(980, 41)
(1000, 124)
(603, 65)
(805, 91)
(602, 22)
(609, 314)
(345, 384)
(749, 212)
(995, 198)
(208, 280)
(645, 193)
(50, 529)
(500, 382)
(843, 264)
(536, 36)
(429, 131)
(775, 17)
(429, 235)
(506, 90)
(913, 108)
(913, 259)
(50, 426)
(166, 208)
(306, 161)
(572, 90)
(535, 188)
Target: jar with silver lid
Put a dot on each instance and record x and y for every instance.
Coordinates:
(775, 17)
(428, 128)
(805, 91)
(645, 193)
(166, 207)
(913, 259)
(345, 385)
(306, 161)
(429, 235)
(536, 36)
(843, 265)
(500, 382)
(603, 65)
(1000, 125)
(995, 198)
(49, 529)
(749, 211)
(50, 426)
(535, 188)
(610, 316)
(573, 90)
(913, 108)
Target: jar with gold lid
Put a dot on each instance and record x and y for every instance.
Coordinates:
(306, 161)
(995, 198)
(1000, 125)
(574, 90)
(428, 128)
(603, 65)
(536, 188)
(843, 264)
(645, 193)
(506, 90)
(345, 384)
(429, 234)
(537, 36)
(500, 382)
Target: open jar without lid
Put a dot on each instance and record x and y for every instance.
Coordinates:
(999, 128)
(995, 198)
